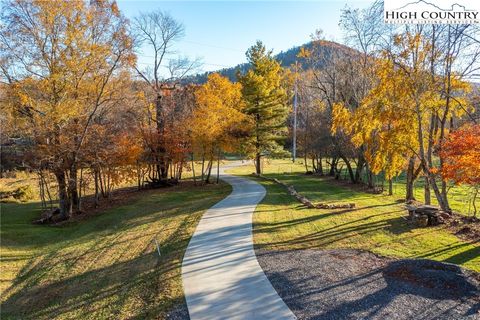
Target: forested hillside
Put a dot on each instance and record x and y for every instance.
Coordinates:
(286, 59)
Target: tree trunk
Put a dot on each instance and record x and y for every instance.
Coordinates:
(73, 189)
(390, 187)
(162, 166)
(258, 167)
(305, 159)
(475, 194)
(350, 170)
(180, 170)
(333, 165)
(101, 180)
(433, 120)
(63, 200)
(46, 189)
(359, 169)
(320, 165)
(410, 180)
(428, 197)
(203, 166)
(425, 164)
(96, 187)
(108, 186)
(80, 184)
(209, 170)
(139, 185)
(433, 184)
(258, 156)
(42, 191)
(218, 166)
(193, 171)
(369, 172)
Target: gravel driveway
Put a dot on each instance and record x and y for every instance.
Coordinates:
(352, 284)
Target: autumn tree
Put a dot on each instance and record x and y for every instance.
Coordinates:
(218, 123)
(157, 32)
(64, 62)
(266, 100)
(382, 124)
(458, 50)
(338, 78)
(177, 107)
(314, 138)
(413, 61)
(114, 148)
(400, 117)
(461, 158)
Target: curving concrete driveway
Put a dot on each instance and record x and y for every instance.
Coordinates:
(221, 275)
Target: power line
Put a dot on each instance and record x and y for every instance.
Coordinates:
(169, 59)
(214, 46)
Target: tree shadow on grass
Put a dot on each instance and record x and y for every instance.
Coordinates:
(108, 264)
(111, 286)
(18, 231)
(321, 215)
(140, 287)
(340, 232)
(464, 256)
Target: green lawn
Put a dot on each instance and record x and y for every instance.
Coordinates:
(460, 197)
(105, 267)
(280, 222)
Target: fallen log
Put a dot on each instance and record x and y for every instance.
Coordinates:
(47, 216)
(306, 202)
(335, 206)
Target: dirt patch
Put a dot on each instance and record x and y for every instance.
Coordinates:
(353, 284)
(467, 228)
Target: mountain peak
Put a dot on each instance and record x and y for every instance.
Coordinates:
(286, 58)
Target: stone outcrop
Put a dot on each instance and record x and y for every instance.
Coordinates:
(426, 215)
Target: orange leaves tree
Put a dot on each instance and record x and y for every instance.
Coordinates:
(65, 63)
(173, 140)
(461, 158)
(158, 32)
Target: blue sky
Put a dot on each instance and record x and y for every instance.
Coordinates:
(220, 32)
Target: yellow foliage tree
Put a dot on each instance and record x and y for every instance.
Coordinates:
(65, 63)
(218, 122)
(398, 120)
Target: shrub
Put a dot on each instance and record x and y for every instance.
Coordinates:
(24, 193)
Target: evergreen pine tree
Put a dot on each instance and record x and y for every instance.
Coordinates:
(266, 101)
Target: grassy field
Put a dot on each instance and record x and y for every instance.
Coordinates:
(280, 222)
(104, 267)
(460, 197)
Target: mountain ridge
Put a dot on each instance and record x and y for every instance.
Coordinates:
(286, 58)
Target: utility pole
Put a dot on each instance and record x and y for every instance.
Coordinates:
(294, 153)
